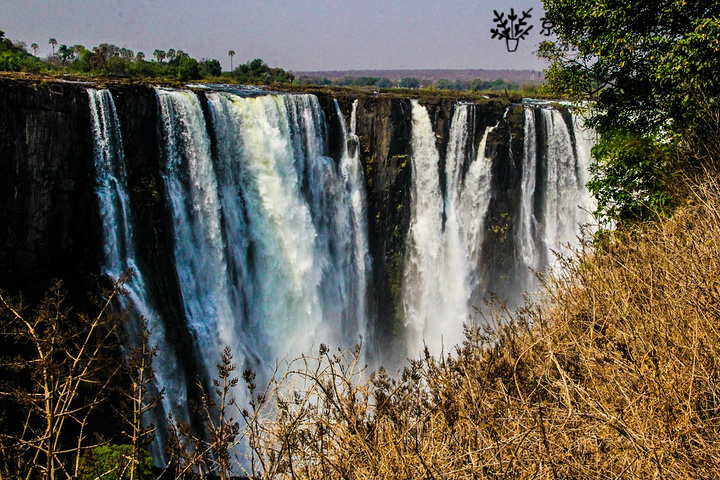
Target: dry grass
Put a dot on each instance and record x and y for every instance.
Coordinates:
(615, 374)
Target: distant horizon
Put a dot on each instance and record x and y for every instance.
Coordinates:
(421, 70)
(519, 76)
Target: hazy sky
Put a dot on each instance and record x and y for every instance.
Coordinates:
(292, 34)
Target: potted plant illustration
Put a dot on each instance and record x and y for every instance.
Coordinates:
(512, 28)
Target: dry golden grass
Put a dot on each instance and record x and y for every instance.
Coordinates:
(615, 373)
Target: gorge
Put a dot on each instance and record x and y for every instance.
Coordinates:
(273, 222)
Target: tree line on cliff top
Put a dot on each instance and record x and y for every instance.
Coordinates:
(113, 61)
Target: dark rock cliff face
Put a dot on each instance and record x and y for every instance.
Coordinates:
(50, 227)
(49, 224)
(505, 145)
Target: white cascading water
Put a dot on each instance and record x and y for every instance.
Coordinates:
(199, 250)
(422, 295)
(585, 140)
(555, 202)
(528, 221)
(268, 233)
(469, 202)
(260, 183)
(442, 261)
(354, 179)
(120, 255)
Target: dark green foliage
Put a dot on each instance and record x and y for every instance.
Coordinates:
(308, 80)
(443, 84)
(384, 83)
(499, 84)
(628, 177)
(188, 69)
(358, 81)
(14, 57)
(110, 462)
(210, 68)
(409, 82)
(258, 72)
(110, 60)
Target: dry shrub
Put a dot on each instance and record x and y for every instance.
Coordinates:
(614, 374)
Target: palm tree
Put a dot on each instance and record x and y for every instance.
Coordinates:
(53, 42)
(35, 47)
(231, 54)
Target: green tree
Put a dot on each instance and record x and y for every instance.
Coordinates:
(160, 55)
(187, 68)
(442, 84)
(210, 68)
(653, 72)
(77, 50)
(410, 82)
(54, 43)
(35, 47)
(65, 53)
(384, 83)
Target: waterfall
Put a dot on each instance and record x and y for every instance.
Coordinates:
(270, 236)
(442, 258)
(270, 233)
(528, 221)
(119, 256)
(199, 250)
(555, 202)
(422, 295)
(354, 180)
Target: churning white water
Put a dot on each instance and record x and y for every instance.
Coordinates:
(270, 235)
